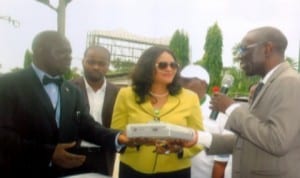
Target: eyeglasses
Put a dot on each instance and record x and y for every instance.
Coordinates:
(164, 65)
(242, 50)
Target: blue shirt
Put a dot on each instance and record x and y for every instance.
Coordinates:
(52, 90)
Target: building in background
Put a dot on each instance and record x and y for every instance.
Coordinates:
(122, 44)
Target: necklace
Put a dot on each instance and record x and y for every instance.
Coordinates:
(156, 114)
(159, 95)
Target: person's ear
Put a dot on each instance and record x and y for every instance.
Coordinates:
(269, 47)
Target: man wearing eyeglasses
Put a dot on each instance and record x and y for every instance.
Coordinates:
(266, 142)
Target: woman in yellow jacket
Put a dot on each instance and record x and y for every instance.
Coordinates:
(156, 94)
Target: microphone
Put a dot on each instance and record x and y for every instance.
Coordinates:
(227, 82)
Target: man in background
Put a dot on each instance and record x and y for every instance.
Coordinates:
(100, 96)
(196, 78)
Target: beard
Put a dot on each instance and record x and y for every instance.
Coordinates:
(93, 77)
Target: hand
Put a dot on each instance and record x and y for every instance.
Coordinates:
(133, 142)
(123, 139)
(187, 143)
(142, 141)
(191, 143)
(62, 158)
(220, 102)
(167, 147)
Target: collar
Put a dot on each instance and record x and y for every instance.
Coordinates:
(268, 75)
(41, 73)
(89, 88)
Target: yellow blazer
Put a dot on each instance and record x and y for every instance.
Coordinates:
(182, 109)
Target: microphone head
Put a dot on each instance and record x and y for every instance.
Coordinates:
(227, 80)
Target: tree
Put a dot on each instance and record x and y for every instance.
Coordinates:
(27, 59)
(71, 73)
(292, 62)
(212, 58)
(179, 44)
(16, 69)
(60, 11)
(241, 82)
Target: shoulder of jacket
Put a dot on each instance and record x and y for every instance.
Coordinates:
(187, 93)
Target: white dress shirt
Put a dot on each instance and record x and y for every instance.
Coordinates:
(96, 100)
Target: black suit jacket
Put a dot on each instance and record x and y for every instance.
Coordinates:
(28, 131)
(111, 93)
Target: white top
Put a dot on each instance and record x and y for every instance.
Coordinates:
(96, 99)
(202, 163)
(87, 175)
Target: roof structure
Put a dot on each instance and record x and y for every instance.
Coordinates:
(121, 34)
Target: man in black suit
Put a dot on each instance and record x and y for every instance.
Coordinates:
(100, 96)
(42, 116)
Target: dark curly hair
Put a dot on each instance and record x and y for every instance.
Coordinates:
(142, 75)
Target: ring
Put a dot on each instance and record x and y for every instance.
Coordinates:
(167, 152)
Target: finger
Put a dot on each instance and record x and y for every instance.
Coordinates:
(73, 162)
(68, 145)
(76, 156)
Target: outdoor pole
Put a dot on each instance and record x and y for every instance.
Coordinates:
(14, 22)
(299, 58)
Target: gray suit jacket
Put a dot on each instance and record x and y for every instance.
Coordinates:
(267, 140)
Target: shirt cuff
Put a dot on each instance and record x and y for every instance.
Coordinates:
(222, 158)
(204, 138)
(231, 108)
(119, 147)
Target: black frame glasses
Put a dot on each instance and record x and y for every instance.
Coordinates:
(242, 50)
(163, 65)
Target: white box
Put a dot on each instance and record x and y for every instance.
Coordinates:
(159, 130)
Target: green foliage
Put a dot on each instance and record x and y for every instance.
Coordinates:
(16, 69)
(292, 62)
(122, 66)
(234, 53)
(71, 73)
(179, 44)
(27, 59)
(212, 59)
(241, 82)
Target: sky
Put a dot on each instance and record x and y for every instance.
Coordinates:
(149, 18)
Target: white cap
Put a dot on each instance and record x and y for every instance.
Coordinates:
(195, 71)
